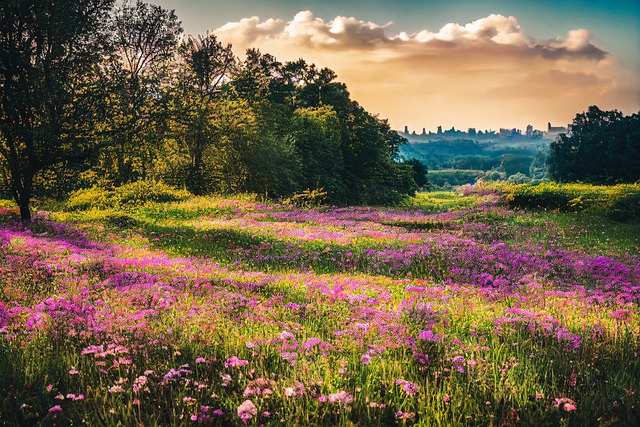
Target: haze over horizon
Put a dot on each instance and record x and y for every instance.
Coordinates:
(423, 64)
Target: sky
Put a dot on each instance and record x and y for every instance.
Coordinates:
(456, 63)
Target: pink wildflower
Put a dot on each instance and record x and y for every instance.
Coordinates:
(247, 410)
(234, 362)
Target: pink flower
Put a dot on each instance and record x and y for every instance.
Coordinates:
(247, 410)
(566, 404)
(235, 362)
(116, 389)
(365, 359)
(56, 408)
(341, 398)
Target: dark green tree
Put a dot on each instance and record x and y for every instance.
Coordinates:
(50, 57)
(144, 39)
(204, 72)
(419, 171)
(601, 147)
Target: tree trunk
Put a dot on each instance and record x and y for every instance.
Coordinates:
(22, 197)
(25, 212)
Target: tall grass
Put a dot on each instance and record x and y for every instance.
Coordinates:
(454, 310)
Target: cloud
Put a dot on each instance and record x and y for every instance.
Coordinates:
(472, 74)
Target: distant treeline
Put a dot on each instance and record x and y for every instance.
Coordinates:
(600, 147)
(95, 94)
(463, 161)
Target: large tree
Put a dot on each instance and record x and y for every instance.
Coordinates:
(50, 53)
(601, 147)
(144, 38)
(197, 112)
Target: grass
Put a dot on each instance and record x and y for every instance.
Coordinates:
(454, 309)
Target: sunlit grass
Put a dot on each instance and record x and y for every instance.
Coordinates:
(453, 310)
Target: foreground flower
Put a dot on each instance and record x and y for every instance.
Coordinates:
(341, 398)
(247, 410)
(566, 404)
(234, 362)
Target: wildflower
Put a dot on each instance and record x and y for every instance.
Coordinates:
(247, 410)
(365, 359)
(408, 387)
(340, 398)
(200, 360)
(226, 379)
(56, 408)
(116, 389)
(565, 404)
(285, 335)
(404, 415)
(74, 397)
(73, 371)
(235, 362)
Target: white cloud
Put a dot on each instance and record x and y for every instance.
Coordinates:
(481, 70)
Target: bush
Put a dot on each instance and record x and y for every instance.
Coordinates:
(549, 195)
(620, 200)
(127, 196)
(89, 198)
(626, 208)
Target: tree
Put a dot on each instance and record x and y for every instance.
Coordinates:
(601, 147)
(419, 170)
(144, 40)
(50, 54)
(206, 65)
(315, 133)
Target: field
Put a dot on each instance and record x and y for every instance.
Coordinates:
(456, 309)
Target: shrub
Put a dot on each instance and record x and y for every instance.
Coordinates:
(549, 195)
(626, 208)
(127, 196)
(308, 198)
(89, 198)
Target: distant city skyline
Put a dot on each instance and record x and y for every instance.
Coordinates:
(457, 63)
(438, 129)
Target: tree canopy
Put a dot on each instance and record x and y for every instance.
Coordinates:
(95, 94)
(50, 54)
(601, 147)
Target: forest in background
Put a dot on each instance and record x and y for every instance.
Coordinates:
(95, 95)
(99, 95)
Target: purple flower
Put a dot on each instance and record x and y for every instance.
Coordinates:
(365, 359)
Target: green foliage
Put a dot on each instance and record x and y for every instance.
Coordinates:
(618, 201)
(308, 198)
(626, 208)
(454, 177)
(420, 171)
(127, 196)
(602, 147)
(49, 75)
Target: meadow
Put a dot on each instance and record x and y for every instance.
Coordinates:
(470, 308)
